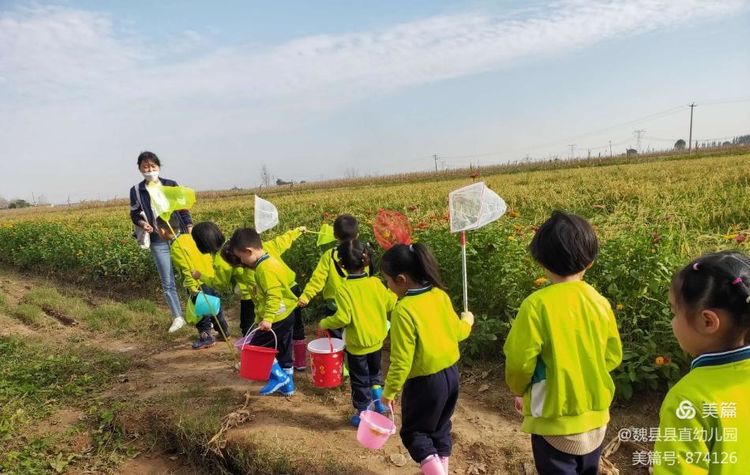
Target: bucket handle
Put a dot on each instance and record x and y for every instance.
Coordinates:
(251, 331)
(328, 334)
(393, 419)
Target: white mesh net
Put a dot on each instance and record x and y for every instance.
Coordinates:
(474, 206)
(266, 215)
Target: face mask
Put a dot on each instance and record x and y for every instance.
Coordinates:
(151, 176)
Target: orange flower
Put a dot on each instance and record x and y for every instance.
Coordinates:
(540, 281)
(620, 306)
(662, 360)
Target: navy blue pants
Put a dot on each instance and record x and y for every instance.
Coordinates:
(427, 405)
(247, 315)
(283, 330)
(550, 461)
(364, 373)
(298, 333)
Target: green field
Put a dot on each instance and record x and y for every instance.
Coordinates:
(651, 217)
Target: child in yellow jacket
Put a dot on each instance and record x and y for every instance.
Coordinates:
(425, 332)
(363, 304)
(186, 258)
(329, 274)
(275, 303)
(703, 421)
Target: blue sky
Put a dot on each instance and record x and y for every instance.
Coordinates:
(328, 89)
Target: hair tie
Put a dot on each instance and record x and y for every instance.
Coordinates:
(736, 281)
(747, 300)
(695, 266)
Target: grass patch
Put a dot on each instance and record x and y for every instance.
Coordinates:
(35, 381)
(143, 306)
(29, 314)
(119, 319)
(50, 297)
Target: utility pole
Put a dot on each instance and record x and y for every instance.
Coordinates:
(610, 149)
(572, 148)
(435, 157)
(690, 136)
(638, 134)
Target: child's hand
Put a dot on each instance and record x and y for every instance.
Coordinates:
(264, 325)
(196, 274)
(387, 403)
(518, 404)
(468, 317)
(301, 303)
(302, 229)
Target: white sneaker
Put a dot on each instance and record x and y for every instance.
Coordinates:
(177, 323)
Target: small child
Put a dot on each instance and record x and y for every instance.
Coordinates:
(363, 304)
(328, 274)
(274, 304)
(186, 257)
(425, 332)
(209, 239)
(560, 350)
(710, 300)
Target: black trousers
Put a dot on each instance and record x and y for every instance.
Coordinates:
(427, 405)
(283, 330)
(364, 373)
(550, 461)
(299, 322)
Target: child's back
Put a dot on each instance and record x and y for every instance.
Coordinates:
(565, 341)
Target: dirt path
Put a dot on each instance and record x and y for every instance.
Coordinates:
(309, 429)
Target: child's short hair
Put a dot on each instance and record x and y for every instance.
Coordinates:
(720, 281)
(241, 239)
(148, 156)
(353, 255)
(565, 244)
(208, 237)
(345, 227)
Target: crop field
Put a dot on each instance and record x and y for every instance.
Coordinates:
(650, 217)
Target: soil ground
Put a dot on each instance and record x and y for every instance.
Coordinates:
(172, 401)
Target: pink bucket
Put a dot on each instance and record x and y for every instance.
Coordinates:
(374, 429)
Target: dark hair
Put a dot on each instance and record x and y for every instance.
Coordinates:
(414, 260)
(345, 227)
(354, 255)
(241, 239)
(565, 244)
(150, 156)
(208, 237)
(717, 281)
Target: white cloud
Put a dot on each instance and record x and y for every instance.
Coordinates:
(76, 80)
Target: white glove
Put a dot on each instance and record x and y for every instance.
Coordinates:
(468, 317)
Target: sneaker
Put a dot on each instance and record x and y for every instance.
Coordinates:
(177, 323)
(204, 341)
(356, 419)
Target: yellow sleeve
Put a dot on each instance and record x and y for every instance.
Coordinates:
(344, 311)
(272, 288)
(403, 346)
(223, 278)
(182, 262)
(318, 278)
(613, 352)
(280, 244)
(522, 346)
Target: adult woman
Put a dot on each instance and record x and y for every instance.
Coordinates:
(142, 215)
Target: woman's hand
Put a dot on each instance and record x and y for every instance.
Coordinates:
(146, 227)
(196, 275)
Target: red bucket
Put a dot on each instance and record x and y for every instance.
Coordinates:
(327, 361)
(300, 354)
(256, 361)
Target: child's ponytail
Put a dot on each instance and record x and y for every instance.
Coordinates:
(720, 280)
(414, 260)
(353, 255)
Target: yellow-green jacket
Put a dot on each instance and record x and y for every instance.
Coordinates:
(425, 332)
(363, 304)
(186, 257)
(273, 296)
(558, 355)
(327, 276)
(275, 248)
(704, 425)
(225, 277)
